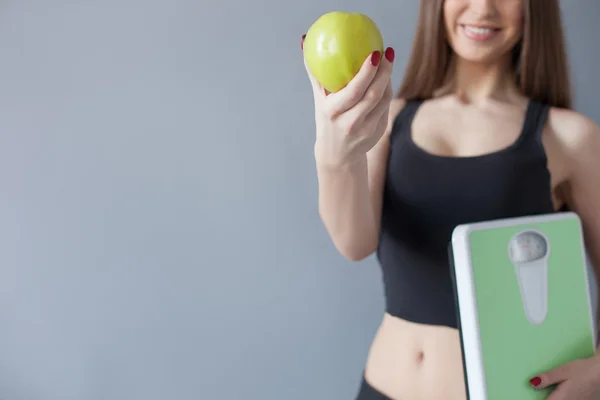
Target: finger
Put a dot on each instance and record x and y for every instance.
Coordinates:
(351, 94)
(377, 89)
(381, 109)
(561, 392)
(383, 106)
(557, 375)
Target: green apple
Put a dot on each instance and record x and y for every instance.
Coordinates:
(336, 46)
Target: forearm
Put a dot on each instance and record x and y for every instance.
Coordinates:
(345, 208)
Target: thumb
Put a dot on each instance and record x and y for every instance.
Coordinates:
(556, 375)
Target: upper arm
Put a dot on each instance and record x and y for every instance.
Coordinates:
(377, 159)
(580, 140)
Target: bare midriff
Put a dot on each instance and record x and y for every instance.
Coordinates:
(410, 361)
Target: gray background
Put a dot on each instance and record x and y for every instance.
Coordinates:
(159, 236)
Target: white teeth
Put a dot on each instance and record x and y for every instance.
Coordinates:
(478, 31)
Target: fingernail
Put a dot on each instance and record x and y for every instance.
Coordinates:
(302, 42)
(535, 381)
(390, 54)
(375, 58)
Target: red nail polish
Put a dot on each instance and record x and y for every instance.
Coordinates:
(302, 42)
(375, 58)
(390, 54)
(535, 381)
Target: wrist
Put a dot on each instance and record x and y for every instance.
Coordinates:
(328, 162)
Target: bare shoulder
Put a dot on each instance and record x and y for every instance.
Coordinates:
(577, 134)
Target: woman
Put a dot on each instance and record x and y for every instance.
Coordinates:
(481, 129)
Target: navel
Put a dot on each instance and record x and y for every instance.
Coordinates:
(420, 357)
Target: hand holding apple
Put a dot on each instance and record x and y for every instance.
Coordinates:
(352, 119)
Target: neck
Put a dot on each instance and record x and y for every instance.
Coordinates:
(477, 82)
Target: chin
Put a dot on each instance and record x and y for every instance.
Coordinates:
(476, 56)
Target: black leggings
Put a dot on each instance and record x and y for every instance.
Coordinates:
(367, 392)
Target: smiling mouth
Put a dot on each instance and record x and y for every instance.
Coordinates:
(479, 33)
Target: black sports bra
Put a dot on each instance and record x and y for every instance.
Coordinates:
(426, 196)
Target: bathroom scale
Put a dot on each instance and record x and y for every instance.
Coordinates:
(523, 301)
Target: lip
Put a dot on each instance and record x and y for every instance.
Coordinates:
(479, 36)
(485, 26)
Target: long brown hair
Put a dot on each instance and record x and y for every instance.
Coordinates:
(539, 59)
